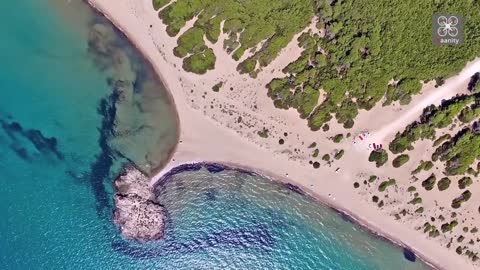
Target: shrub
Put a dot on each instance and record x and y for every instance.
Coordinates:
(338, 138)
(216, 87)
(400, 160)
(339, 154)
(385, 184)
(157, 4)
(263, 133)
(200, 63)
(416, 200)
(379, 157)
(372, 178)
(443, 184)
(411, 189)
(448, 227)
(429, 183)
(441, 139)
(465, 196)
(326, 157)
(419, 210)
(464, 182)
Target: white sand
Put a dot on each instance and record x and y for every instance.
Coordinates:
(216, 135)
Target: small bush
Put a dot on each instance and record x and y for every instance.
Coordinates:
(339, 154)
(443, 184)
(216, 87)
(429, 183)
(337, 138)
(464, 182)
(400, 160)
(379, 157)
(416, 200)
(263, 133)
(385, 184)
(457, 202)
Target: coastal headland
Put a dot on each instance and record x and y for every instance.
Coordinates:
(229, 127)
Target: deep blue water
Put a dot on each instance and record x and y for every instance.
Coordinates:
(59, 151)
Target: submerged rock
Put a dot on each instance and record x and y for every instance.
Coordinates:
(136, 212)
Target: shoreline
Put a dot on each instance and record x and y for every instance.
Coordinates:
(181, 156)
(158, 77)
(344, 214)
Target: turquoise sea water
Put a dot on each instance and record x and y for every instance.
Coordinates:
(60, 147)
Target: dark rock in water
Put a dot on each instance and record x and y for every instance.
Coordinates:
(15, 126)
(42, 143)
(20, 151)
(294, 188)
(214, 168)
(136, 212)
(211, 194)
(409, 255)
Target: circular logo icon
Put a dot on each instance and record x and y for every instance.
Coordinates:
(447, 26)
(453, 20)
(442, 20)
(442, 31)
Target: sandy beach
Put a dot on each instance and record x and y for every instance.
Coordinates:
(222, 127)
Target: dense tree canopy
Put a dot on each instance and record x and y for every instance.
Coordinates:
(247, 23)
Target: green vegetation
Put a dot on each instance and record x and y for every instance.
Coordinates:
(339, 154)
(357, 57)
(263, 133)
(315, 153)
(326, 157)
(372, 178)
(312, 145)
(247, 23)
(379, 157)
(337, 138)
(400, 160)
(464, 182)
(448, 227)
(216, 87)
(200, 63)
(157, 4)
(459, 153)
(385, 184)
(433, 117)
(429, 183)
(469, 114)
(411, 189)
(465, 196)
(424, 165)
(431, 229)
(441, 139)
(443, 184)
(416, 200)
(419, 210)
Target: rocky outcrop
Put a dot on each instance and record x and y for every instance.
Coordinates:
(136, 212)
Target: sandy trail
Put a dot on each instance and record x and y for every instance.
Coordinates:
(449, 89)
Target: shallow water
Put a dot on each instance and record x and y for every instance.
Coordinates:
(64, 135)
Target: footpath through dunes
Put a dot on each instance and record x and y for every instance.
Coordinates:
(453, 86)
(222, 127)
